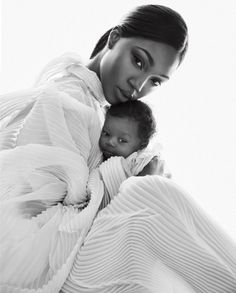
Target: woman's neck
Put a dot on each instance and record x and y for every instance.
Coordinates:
(94, 63)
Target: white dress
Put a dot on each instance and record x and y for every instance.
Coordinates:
(49, 194)
(151, 237)
(51, 186)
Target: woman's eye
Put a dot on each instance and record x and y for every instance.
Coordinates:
(138, 62)
(156, 82)
(105, 133)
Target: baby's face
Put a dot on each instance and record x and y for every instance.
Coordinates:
(119, 137)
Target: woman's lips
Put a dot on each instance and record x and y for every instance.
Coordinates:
(124, 94)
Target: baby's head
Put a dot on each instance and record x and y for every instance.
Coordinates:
(128, 128)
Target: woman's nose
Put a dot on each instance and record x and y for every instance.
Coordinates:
(138, 84)
(141, 83)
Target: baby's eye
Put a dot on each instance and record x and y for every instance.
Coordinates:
(138, 62)
(105, 133)
(121, 140)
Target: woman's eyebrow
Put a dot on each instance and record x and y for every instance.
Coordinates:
(165, 76)
(149, 56)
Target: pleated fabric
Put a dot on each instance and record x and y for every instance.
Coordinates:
(37, 251)
(63, 109)
(48, 191)
(49, 147)
(40, 236)
(152, 237)
(149, 235)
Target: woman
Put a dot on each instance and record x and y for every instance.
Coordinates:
(151, 237)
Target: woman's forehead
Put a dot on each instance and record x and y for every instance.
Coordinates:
(150, 45)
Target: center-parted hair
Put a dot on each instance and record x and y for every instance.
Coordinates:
(153, 22)
(139, 112)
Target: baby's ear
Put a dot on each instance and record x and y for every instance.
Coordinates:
(114, 37)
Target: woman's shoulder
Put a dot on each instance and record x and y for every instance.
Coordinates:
(57, 67)
(71, 75)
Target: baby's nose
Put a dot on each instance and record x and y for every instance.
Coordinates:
(112, 141)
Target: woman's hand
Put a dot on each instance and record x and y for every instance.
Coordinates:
(155, 167)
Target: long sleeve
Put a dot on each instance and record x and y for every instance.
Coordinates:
(70, 76)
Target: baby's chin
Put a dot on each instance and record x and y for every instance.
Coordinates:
(107, 155)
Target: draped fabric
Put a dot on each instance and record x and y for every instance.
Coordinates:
(153, 237)
(72, 224)
(41, 231)
(51, 186)
(49, 193)
(39, 247)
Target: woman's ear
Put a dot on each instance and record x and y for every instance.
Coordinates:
(114, 37)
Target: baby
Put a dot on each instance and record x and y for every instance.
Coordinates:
(128, 128)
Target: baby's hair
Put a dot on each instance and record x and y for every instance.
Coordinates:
(138, 112)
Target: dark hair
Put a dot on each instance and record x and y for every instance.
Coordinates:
(140, 113)
(154, 22)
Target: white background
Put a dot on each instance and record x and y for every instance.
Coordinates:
(196, 109)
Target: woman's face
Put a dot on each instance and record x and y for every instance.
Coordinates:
(132, 67)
